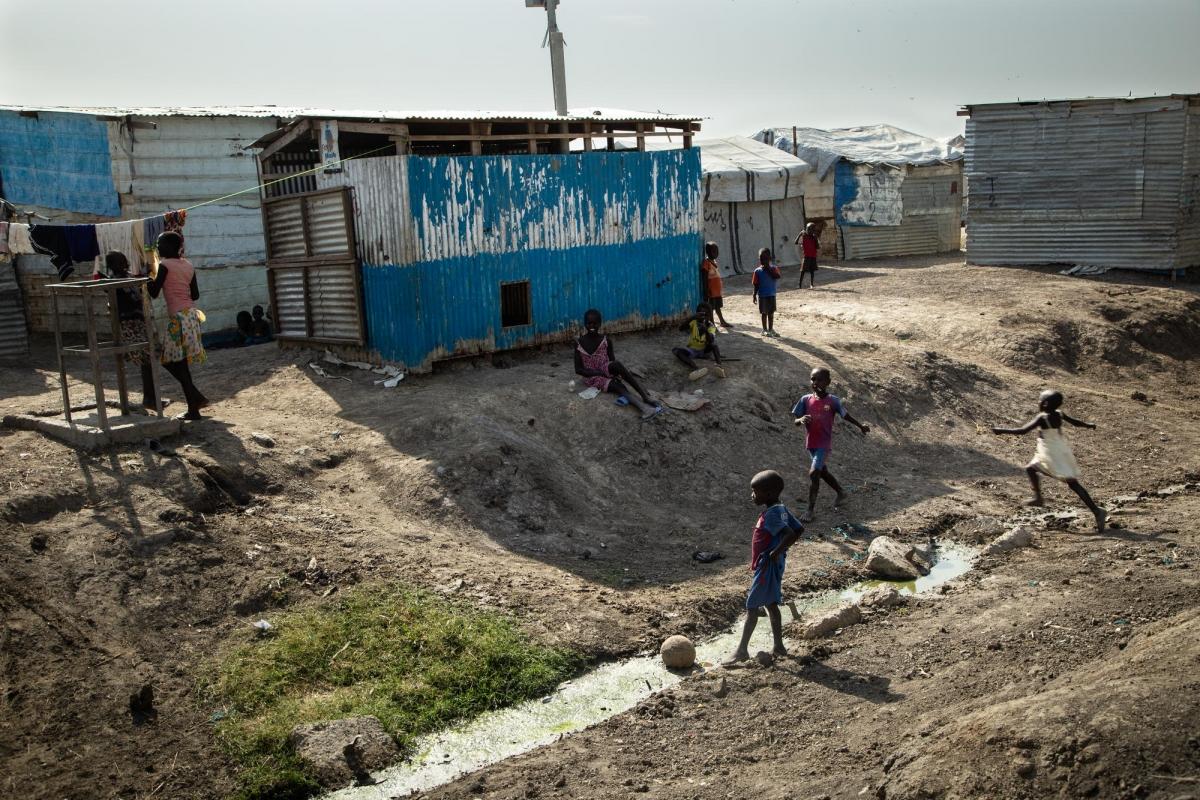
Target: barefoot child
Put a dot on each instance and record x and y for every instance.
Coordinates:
(702, 343)
(764, 279)
(711, 280)
(176, 280)
(595, 363)
(1053, 456)
(810, 246)
(775, 531)
(816, 412)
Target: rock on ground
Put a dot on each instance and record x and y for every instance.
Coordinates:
(830, 622)
(340, 752)
(889, 558)
(882, 597)
(678, 652)
(258, 437)
(1019, 536)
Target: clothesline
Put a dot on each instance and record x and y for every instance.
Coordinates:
(70, 244)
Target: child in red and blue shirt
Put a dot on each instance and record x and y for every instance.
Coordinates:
(816, 412)
(775, 531)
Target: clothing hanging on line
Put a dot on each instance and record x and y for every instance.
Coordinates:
(19, 242)
(82, 241)
(51, 240)
(119, 236)
(175, 220)
(153, 227)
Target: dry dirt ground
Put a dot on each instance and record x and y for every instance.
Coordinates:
(1067, 669)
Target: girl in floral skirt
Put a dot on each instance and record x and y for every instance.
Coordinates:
(176, 279)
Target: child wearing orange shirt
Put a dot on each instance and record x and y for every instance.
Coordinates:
(710, 279)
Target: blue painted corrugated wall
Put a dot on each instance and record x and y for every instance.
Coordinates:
(58, 161)
(620, 232)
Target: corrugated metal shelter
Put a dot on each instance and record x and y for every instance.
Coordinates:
(14, 343)
(884, 190)
(753, 198)
(1094, 182)
(425, 239)
(100, 164)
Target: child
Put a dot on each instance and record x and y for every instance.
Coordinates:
(810, 245)
(702, 343)
(710, 278)
(594, 362)
(1053, 456)
(764, 279)
(176, 279)
(816, 412)
(260, 328)
(775, 531)
(132, 320)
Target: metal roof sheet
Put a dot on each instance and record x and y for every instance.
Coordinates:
(295, 112)
(1080, 101)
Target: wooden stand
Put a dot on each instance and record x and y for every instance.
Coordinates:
(96, 349)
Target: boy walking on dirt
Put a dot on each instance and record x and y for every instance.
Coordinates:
(766, 275)
(702, 343)
(816, 412)
(710, 279)
(775, 531)
(810, 246)
(1053, 456)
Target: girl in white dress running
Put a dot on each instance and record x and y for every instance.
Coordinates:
(1053, 456)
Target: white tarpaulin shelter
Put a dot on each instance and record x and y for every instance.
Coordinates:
(753, 198)
(886, 190)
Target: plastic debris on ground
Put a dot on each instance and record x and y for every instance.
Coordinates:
(589, 393)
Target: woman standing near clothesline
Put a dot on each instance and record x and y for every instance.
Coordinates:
(176, 279)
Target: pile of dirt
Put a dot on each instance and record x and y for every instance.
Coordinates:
(1098, 731)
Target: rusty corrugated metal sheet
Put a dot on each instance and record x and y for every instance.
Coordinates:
(615, 231)
(1089, 182)
(1189, 199)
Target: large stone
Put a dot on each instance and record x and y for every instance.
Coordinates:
(828, 623)
(1019, 536)
(889, 558)
(341, 752)
(881, 597)
(678, 652)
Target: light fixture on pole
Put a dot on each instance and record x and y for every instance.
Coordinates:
(558, 66)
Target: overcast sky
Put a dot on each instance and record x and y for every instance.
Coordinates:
(742, 64)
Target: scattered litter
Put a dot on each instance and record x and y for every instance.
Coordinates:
(707, 556)
(589, 393)
(622, 400)
(263, 626)
(1084, 269)
(323, 374)
(218, 715)
(392, 382)
(684, 401)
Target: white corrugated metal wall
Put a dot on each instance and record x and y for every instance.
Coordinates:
(164, 162)
(189, 160)
(1093, 183)
(931, 221)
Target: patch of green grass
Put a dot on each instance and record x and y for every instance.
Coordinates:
(415, 661)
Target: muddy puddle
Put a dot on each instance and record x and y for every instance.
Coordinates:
(602, 693)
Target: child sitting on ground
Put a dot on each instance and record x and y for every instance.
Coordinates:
(702, 343)
(596, 364)
(1053, 456)
(775, 531)
(816, 412)
(763, 280)
(711, 281)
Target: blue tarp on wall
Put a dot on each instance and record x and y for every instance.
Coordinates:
(57, 161)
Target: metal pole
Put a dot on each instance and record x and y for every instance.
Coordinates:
(558, 66)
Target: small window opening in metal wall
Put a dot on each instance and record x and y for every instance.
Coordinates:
(516, 304)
